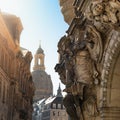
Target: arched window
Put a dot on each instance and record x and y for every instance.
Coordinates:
(59, 106)
(53, 113)
(54, 105)
(39, 61)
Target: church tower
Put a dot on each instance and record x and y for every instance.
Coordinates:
(42, 81)
(59, 92)
(39, 59)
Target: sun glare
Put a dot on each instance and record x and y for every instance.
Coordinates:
(10, 6)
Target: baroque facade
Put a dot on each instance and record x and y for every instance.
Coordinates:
(89, 59)
(16, 85)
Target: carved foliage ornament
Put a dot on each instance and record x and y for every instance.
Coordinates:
(104, 11)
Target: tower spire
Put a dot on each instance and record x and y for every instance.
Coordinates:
(59, 92)
(39, 43)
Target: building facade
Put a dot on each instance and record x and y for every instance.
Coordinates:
(50, 108)
(42, 81)
(16, 85)
(90, 59)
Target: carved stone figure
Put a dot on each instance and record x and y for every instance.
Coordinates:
(60, 67)
(78, 71)
(94, 43)
(87, 56)
(65, 66)
(90, 107)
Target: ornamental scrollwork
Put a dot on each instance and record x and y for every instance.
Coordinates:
(105, 11)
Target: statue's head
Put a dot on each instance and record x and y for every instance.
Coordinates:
(98, 9)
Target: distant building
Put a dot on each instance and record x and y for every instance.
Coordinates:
(42, 81)
(54, 108)
(16, 85)
(37, 109)
(51, 108)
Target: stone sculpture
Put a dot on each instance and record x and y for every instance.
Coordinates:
(77, 64)
(90, 59)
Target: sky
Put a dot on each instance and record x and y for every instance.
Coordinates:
(42, 23)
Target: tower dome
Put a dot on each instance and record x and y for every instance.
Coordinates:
(40, 50)
(42, 81)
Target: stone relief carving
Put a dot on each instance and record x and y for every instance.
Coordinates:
(78, 71)
(105, 11)
(94, 43)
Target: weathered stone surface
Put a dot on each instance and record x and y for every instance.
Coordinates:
(16, 85)
(90, 59)
(67, 10)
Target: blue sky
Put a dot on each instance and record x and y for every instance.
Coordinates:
(42, 21)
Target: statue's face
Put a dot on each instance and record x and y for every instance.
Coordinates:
(98, 9)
